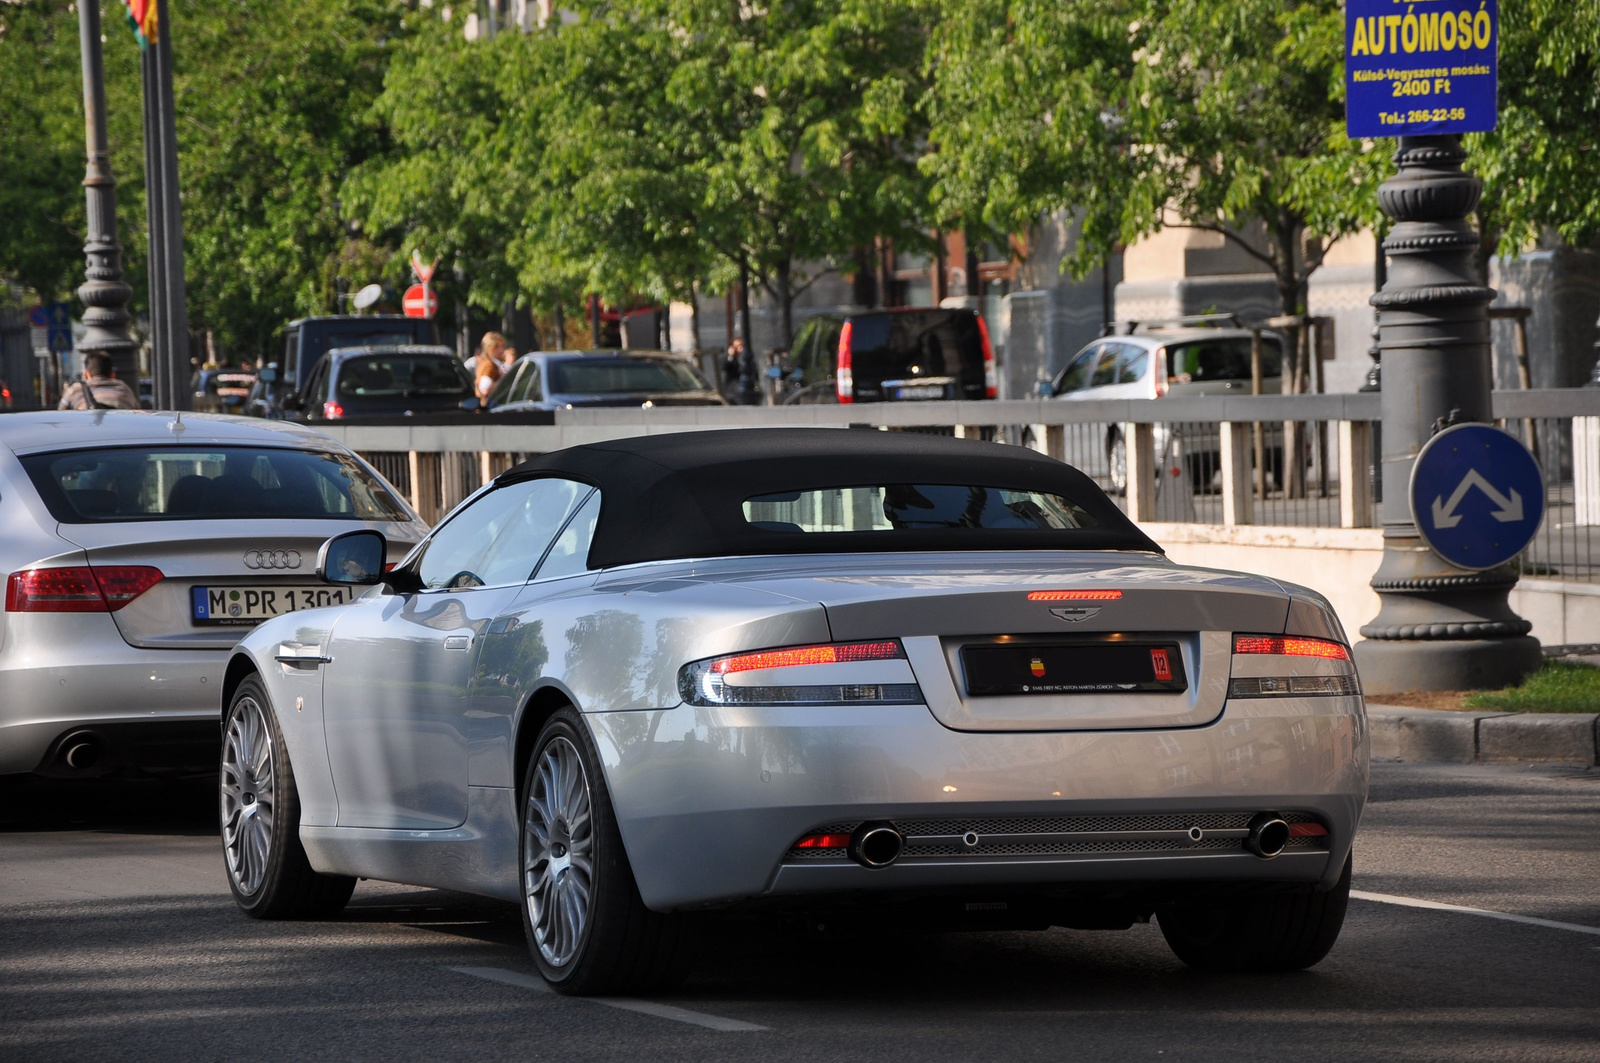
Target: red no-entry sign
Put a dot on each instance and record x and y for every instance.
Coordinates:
(419, 301)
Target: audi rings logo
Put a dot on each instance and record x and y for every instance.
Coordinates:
(272, 559)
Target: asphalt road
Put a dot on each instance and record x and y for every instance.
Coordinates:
(118, 940)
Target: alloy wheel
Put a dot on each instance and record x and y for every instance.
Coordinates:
(558, 853)
(249, 795)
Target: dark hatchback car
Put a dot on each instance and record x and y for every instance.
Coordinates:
(553, 380)
(900, 355)
(350, 383)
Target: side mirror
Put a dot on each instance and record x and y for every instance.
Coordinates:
(268, 374)
(472, 405)
(1044, 389)
(354, 558)
(775, 372)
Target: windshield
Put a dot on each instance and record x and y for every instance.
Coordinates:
(402, 376)
(207, 483)
(608, 376)
(914, 507)
(916, 343)
(1220, 359)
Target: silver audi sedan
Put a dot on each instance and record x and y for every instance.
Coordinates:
(874, 674)
(137, 549)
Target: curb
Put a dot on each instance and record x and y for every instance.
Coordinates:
(1446, 737)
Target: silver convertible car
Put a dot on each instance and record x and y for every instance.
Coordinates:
(855, 671)
(136, 548)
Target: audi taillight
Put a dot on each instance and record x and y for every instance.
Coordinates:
(1316, 655)
(332, 411)
(821, 674)
(78, 590)
(991, 376)
(844, 379)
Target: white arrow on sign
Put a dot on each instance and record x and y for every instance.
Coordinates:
(1444, 513)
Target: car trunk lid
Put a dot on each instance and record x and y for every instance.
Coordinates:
(231, 571)
(1123, 641)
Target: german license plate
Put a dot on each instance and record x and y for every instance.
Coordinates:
(1079, 668)
(251, 605)
(924, 391)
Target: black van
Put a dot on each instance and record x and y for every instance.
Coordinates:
(900, 355)
(307, 339)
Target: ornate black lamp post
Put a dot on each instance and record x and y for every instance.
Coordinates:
(104, 293)
(1440, 627)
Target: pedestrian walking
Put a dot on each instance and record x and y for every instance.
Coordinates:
(99, 389)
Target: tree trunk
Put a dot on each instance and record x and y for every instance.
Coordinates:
(694, 318)
(785, 280)
(559, 323)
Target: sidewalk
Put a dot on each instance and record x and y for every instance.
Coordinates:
(1454, 737)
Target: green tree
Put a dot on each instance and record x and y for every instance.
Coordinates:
(1221, 115)
(42, 149)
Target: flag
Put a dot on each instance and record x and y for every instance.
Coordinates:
(142, 17)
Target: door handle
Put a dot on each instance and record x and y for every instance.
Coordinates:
(457, 642)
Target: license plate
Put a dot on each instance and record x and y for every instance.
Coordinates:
(926, 391)
(251, 605)
(1077, 668)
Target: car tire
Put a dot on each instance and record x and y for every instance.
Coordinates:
(588, 929)
(267, 867)
(1117, 463)
(1278, 932)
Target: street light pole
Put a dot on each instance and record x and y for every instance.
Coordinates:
(169, 305)
(1440, 627)
(104, 293)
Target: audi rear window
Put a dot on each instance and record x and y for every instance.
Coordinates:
(915, 507)
(118, 484)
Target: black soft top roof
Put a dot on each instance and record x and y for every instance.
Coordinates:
(681, 495)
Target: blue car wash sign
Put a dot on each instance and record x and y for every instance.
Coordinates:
(1477, 495)
(1428, 66)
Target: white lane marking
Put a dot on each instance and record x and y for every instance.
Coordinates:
(1412, 902)
(643, 1007)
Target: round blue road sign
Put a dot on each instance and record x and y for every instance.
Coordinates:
(1477, 496)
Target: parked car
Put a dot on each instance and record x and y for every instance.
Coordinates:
(138, 549)
(569, 379)
(1155, 360)
(349, 383)
(221, 389)
(307, 339)
(899, 355)
(848, 674)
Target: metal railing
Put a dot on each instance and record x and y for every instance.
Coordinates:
(1278, 460)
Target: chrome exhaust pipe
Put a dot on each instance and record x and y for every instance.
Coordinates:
(80, 751)
(876, 845)
(1268, 835)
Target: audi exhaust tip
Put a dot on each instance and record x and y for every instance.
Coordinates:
(1268, 835)
(876, 845)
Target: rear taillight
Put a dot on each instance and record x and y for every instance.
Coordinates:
(844, 379)
(1337, 654)
(991, 376)
(332, 411)
(823, 674)
(1291, 646)
(78, 590)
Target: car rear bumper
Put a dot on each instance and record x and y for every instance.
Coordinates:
(115, 688)
(711, 800)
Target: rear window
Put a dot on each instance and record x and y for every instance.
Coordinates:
(916, 343)
(1220, 359)
(609, 376)
(207, 483)
(914, 507)
(401, 376)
